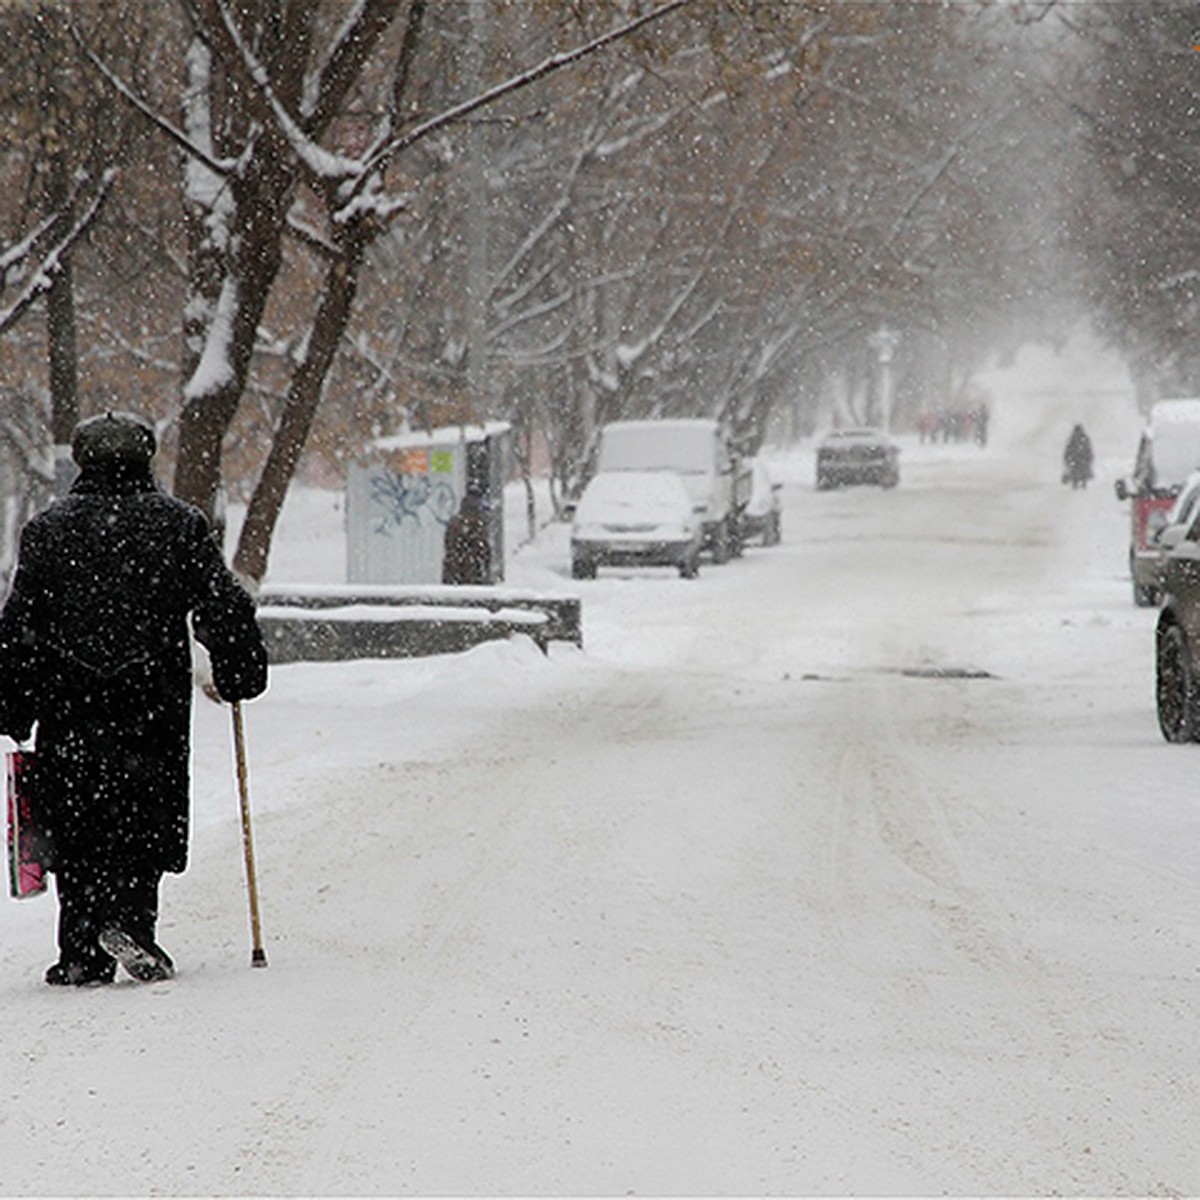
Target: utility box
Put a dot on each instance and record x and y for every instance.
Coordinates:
(403, 491)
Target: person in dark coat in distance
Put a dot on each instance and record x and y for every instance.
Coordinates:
(95, 650)
(1077, 458)
(467, 554)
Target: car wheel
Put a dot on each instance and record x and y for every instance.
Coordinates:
(690, 567)
(583, 568)
(1175, 687)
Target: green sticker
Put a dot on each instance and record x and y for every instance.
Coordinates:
(441, 462)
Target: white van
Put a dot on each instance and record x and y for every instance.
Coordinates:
(698, 451)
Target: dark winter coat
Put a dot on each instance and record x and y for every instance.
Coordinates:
(94, 647)
(467, 556)
(1077, 457)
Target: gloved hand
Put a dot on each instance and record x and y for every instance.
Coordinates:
(242, 678)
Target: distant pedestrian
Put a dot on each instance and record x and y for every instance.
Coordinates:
(1077, 458)
(982, 416)
(467, 556)
(95, 650)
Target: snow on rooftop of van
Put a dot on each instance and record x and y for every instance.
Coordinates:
(665, 423)
(687, 445)
(1174, 427)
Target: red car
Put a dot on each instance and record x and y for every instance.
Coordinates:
(1169, 450)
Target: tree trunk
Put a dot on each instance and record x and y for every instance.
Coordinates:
(214, 390)
(206, 212)
(61, 349)
(63, 356)
(64, 372)
(299, 408)
(202, 425)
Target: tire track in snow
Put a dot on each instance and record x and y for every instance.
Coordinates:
(936, 948)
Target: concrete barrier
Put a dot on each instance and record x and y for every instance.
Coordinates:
(333, 622)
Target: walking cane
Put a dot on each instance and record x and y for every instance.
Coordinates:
(258, 956)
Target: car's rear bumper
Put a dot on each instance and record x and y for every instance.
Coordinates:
(839, 474)
(621, 552)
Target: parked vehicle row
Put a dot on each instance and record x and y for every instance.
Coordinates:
(1164, 556)
(1163, 491)
(666, 492)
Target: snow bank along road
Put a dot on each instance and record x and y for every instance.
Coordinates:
(855, 866)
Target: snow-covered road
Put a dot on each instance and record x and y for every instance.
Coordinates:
(856, 866)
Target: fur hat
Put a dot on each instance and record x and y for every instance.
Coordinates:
(114, 437)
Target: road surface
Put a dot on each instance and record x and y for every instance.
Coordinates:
(855, 866)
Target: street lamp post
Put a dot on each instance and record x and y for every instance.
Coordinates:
(884, 342)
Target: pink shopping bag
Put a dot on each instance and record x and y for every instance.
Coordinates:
(27, 869)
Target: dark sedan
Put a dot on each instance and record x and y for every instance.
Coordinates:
(848, 456)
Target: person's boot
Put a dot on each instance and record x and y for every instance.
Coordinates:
(73, 974)
(146, 961)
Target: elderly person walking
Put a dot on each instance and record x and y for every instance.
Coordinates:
(94, 650)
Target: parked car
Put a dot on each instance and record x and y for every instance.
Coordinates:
(698, 450)
(636, 518)
(1177, 640)
(1149, 564)
(762, 518)
(1168, 451)
(848, 456)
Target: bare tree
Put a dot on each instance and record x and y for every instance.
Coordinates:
(59, 171)
(267, 122)
(1134, 220)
